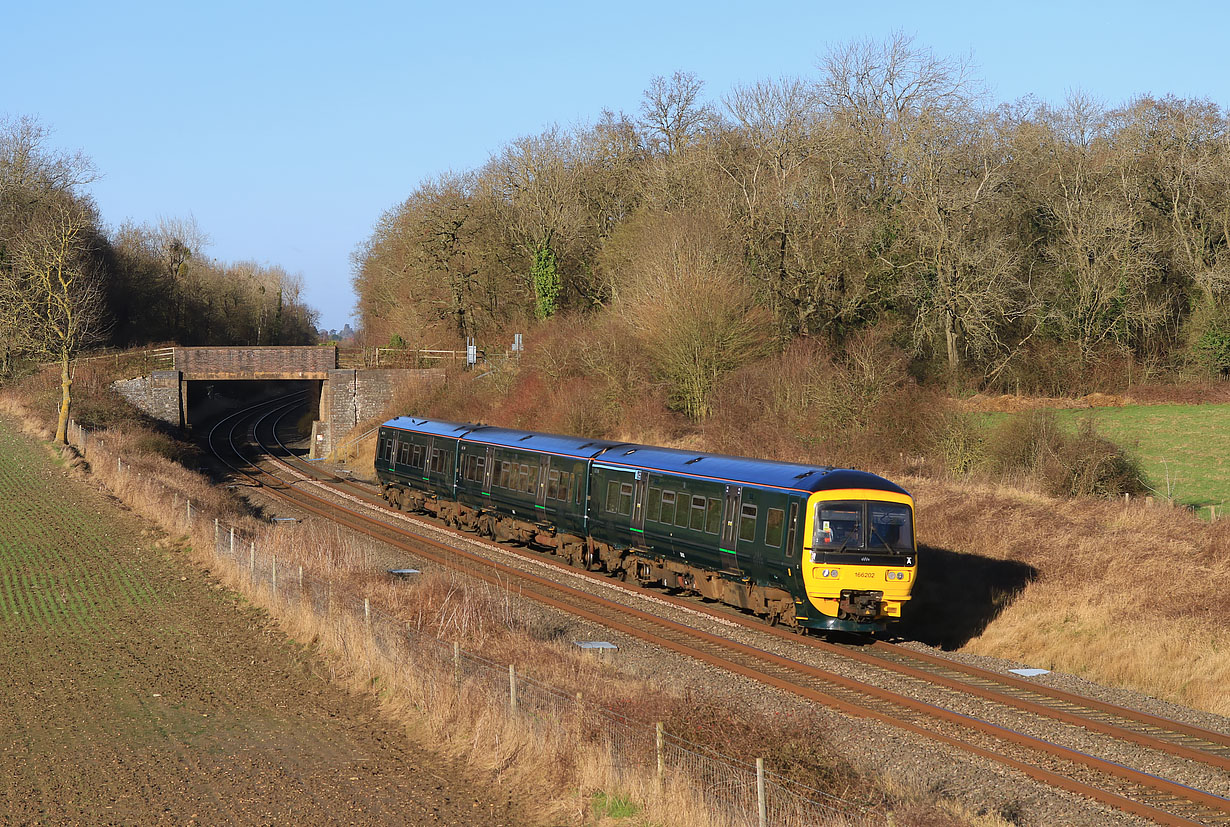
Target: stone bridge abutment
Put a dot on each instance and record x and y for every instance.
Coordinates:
(347, 396)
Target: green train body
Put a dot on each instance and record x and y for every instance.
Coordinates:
(807, 546)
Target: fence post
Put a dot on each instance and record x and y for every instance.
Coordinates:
(251, 559)
(301, 580)
(512, 689)
(761, 804)
(456, 663)
(190, 518)
(274, 577)
(661, 744)
(216, 530)
(367, 612)
(232, 541)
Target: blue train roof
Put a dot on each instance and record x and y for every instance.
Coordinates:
(435, 427)
(573, 446)
(746, 470)
(743, 470)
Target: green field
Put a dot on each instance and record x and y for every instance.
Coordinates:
(1184, 449)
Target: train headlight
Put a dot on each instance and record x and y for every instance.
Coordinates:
(897, 575)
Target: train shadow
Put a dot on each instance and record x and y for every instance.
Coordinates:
(957, 595)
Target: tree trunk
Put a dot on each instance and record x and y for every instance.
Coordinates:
(950, 333)
(66, 383)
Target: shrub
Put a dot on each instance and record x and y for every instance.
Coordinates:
(1033, 445)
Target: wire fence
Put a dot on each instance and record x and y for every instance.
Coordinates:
(733, 791)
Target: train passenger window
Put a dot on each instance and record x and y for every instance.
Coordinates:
(625, 499)
(713, 521)
(682, 515)
(437, 461)
(403, 455)
(654, 507)
(698, 514)
(467, 467)
(668, 507)
(747, 524)
(531, 486)
(416, 460)
(553, 484)
(523, 478)
(790, 533)
(612, 496)
(773, 525)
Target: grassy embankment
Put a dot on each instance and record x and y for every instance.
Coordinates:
(566, 778)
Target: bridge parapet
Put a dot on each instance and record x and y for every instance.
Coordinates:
(222, 363)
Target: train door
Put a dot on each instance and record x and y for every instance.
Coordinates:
(638, 503)
(730, 530)
(544, 468)
(487, 471)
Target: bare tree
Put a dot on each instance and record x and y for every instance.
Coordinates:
(56, 290)
(672, 112)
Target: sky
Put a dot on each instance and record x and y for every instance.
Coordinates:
(287, 129)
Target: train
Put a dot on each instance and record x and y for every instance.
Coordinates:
(814, 548)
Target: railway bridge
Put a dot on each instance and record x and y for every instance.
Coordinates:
(345, 387)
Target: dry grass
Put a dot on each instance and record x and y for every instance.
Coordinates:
(1122, 594)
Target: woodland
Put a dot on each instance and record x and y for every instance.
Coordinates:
(995, 247)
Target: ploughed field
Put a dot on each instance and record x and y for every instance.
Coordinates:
(134, 690)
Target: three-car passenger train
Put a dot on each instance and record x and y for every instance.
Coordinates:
(807, 546)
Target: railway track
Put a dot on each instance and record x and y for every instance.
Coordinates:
(1112, 783)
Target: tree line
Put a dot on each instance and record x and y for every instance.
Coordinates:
(67, 282)
(1019, 245)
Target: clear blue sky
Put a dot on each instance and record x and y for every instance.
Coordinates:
(286, 129)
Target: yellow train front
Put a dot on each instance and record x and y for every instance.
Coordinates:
(859, 555)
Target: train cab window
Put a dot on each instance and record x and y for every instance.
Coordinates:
(653, 509)
(747, 523)
(668, 507)
(838, 526)
(713, 520)
(890, 528)
(698, 514)
(773, 525)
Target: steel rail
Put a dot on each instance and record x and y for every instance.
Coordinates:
(582, 604)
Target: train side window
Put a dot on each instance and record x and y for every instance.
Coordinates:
(682, 509)
(532, 486)
(773, 525)
(625, 499)
(386, 452)
(654, 507)
(467, 467)
(713, 520)
(747, 524)
(416, 461)
(790, 533)
(698, 514)
(668, 507)
(403, 456)
(612, 496)
(523, 478)
(437, 461)
(553, 484)
(575, 483)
